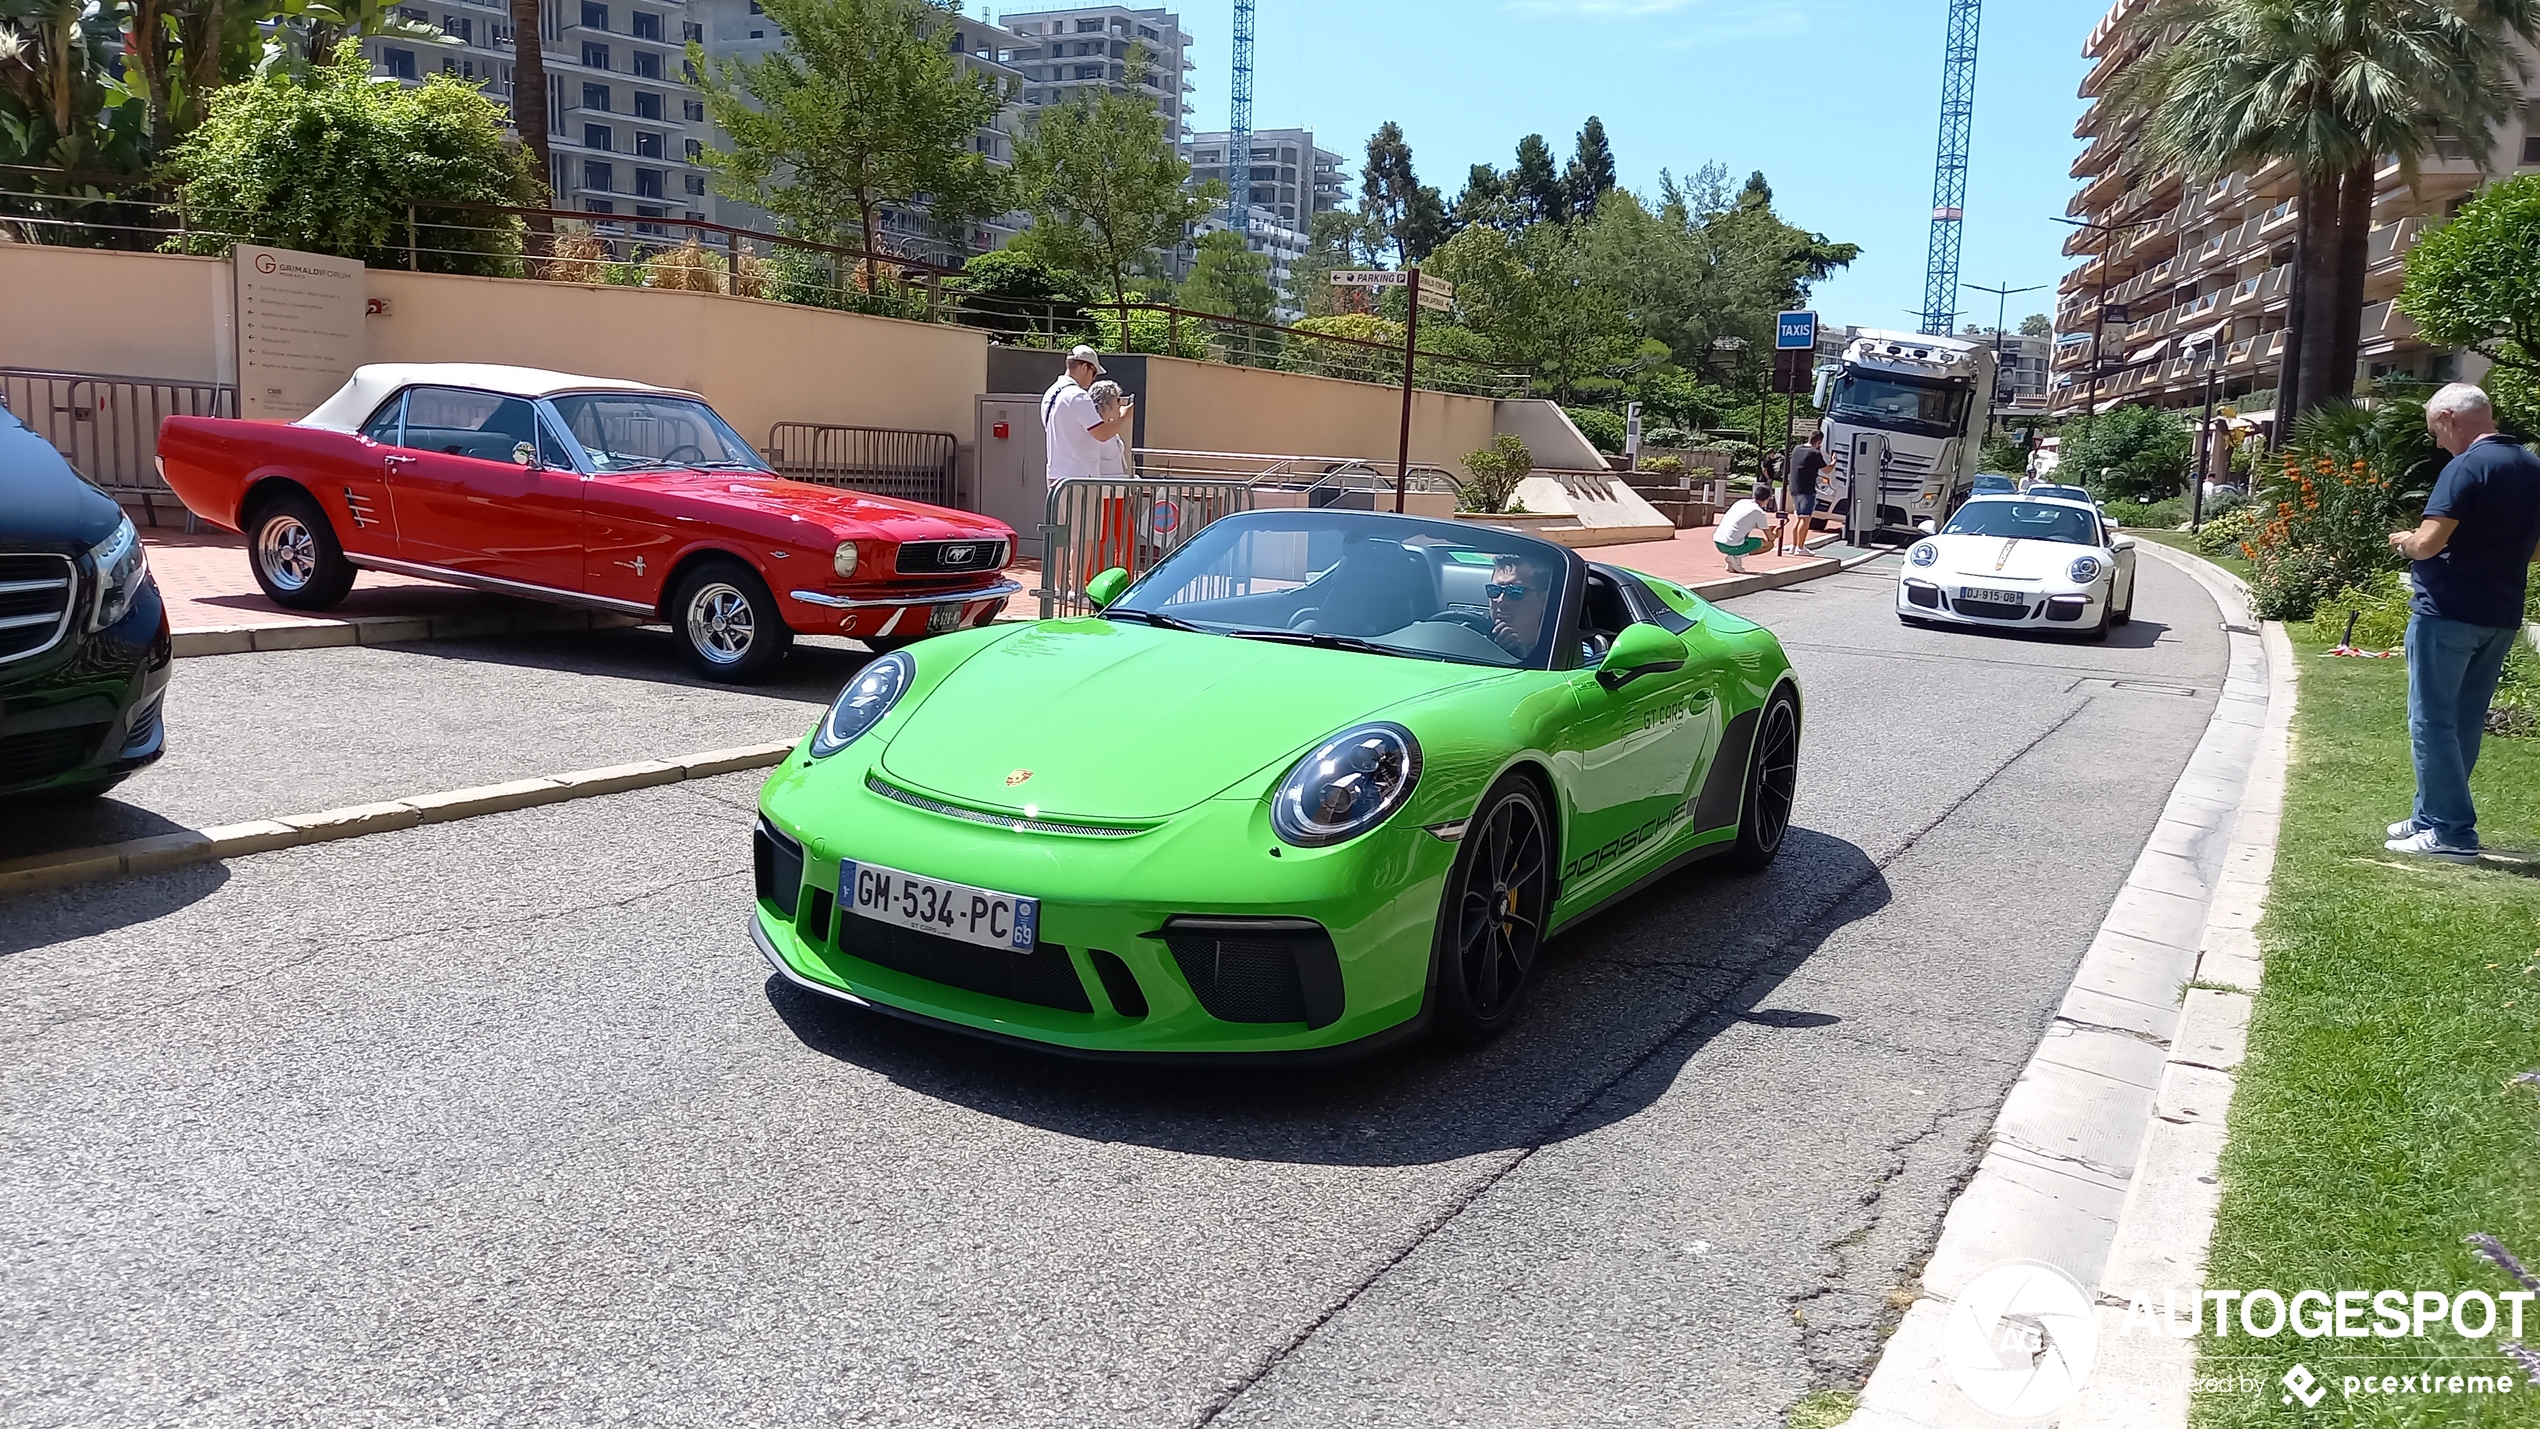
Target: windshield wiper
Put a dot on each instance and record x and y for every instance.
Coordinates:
(1318, 640)
(1161, 622)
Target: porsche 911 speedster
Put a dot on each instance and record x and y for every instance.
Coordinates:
(1320, 779)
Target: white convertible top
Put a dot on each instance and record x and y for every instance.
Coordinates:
(373, 383)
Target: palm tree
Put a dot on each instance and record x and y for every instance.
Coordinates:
(529, 102)
(2338, 89)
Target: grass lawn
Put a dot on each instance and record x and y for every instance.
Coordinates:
(2375, 1124)
(2181, 541)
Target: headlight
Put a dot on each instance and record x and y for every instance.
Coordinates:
(861, 705)
(123, 568)
(1348, 786)
(1923, 554)
(2085, 570)
(844, 562)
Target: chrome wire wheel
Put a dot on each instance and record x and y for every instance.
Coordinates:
(1501, 908)
(721, 625)
(286, 551)
(1776, 774)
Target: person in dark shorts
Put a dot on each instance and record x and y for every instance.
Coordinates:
(2473, 555)
(1807, 463)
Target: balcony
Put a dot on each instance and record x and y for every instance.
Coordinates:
(2390, 243)
(2385, 327)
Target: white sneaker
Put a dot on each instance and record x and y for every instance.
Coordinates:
(2404, 827)
(2425, 844)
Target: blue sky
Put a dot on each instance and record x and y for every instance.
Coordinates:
(1837, 101)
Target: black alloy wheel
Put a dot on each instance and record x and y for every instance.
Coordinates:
(1772, 785)
(1491, 925)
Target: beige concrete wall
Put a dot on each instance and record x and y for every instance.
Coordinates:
(126, 314)
(157, 315)
(1548, 432)
(759, 363)
(1206, 406)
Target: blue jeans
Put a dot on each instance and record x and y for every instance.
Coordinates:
(2452, 671)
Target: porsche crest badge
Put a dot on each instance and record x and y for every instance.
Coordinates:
(1017, 777)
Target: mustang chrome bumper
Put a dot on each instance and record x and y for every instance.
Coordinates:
(957, 597)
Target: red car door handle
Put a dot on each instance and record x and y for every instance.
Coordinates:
(403, 460)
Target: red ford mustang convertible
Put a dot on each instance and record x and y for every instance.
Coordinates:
(587, 491)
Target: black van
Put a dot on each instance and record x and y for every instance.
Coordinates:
(84, 647)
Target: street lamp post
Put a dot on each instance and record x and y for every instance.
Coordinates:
(2205, 431)
(2099, 326)
(2001, 314)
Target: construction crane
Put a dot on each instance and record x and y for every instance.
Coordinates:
(1949, 175)
(1239, 127)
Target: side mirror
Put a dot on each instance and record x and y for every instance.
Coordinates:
(1103, 589)
(1926, 527)
(1642, 649)
(2122, 543)
(525, 454)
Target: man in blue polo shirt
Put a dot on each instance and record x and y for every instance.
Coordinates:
(2473, 557)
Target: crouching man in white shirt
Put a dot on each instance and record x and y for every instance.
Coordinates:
(1740, 533)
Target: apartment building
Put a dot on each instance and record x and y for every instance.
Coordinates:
(741, 29)
(624, 129)
(1292, 180)
(2182, 273)
(1062, 52)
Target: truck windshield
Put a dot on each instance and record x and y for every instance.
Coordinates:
(1899, 404)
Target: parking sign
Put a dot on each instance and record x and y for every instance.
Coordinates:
(1795, 330)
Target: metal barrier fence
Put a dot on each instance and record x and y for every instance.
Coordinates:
(1134, 522)
(107, 427)
(917, 466)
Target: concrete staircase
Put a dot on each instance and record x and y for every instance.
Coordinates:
(1688, 498)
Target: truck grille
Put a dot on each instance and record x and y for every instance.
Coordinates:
(35, 602)
(950, 558)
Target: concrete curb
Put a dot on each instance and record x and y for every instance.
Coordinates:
(2102, 1160)
(1734, 586)
(383, 630)
(191, 846)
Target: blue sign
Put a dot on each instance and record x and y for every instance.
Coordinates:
(1795, 330)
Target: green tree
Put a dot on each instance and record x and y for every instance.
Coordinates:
(865, 107)
(1331, 238)
(1228, 278)
(1015, 294)
(2037, 325)
(1409, 215)
(1536, 185)
(1590, 176)
(2475, 282)
(1486, 199)
(331, 163)
(2129, 453)
(1540, 303)
(2335, 88)
(60, 108)
(1105, 188)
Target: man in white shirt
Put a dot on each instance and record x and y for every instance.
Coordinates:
(1076, 429)
(1740, 532)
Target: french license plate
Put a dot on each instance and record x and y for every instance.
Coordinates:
(1995, 597)
(940, 618)
(949, 910)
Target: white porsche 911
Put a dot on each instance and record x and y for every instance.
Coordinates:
(2021, 563)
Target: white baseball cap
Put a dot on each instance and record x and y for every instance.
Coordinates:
(1084, 353)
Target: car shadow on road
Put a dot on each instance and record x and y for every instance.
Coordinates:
(813, 672)
(45, 825)
(2136, 634)
(1622, 1003)
(84, 910)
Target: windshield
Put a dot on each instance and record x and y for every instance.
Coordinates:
(1899, 404)
(638, 431)
(2024, 521)
(1388, 585)
(2068, 493)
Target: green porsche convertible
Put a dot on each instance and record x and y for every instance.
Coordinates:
(1321, 780)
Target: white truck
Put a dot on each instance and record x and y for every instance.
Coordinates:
(1911, 409)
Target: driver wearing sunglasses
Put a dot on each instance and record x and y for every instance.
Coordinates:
(1519, 599)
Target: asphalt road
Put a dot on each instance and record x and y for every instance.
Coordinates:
(501, 1121)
